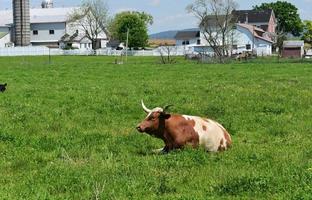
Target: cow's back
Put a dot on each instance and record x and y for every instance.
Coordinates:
(212, 135)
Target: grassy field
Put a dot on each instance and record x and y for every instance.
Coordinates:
(67, 130)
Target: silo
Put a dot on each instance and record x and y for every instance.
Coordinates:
(21, 22)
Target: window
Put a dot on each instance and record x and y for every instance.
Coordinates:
(35, 32)
(248, 46)
(198, 41)
(185, 42)
(51, 32)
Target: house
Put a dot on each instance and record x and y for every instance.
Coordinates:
(243, 38)
(293, 49)
(253, 31)
(264, 19)
(49, 27)
(250, 38)
(75, 41)
(186, 37)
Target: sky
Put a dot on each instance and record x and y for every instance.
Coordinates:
(168, 14)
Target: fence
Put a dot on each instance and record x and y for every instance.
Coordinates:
(41, 51)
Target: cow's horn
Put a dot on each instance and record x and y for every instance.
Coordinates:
(144, 107)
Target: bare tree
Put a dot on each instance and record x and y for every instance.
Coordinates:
(167, 54)
(92, 16)
(216, 23)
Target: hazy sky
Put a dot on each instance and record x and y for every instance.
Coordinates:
(168, 14)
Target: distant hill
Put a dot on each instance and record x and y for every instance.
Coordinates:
(163, 35)
(168, 34)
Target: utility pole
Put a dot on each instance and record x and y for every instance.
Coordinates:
(253, 38)
(127, 44)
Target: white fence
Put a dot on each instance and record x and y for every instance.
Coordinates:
(41, 51)
(28, 51)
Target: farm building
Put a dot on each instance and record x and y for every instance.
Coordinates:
(5, 37)
(245, 38)
(49, 27)
(192, 38)
(250, 38)
(293, 49)
(254, 32)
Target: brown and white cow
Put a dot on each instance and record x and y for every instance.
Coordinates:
(178, 131)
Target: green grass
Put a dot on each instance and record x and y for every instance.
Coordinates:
(67, 130)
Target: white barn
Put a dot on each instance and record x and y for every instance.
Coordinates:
(49, 27)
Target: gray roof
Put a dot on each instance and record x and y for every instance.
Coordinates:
(39, 15)
(113, 43)
(293, 43)
(254, 16)
(213, 21)
(187, 35)
(257, 32)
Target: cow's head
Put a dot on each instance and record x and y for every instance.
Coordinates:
(154, 121)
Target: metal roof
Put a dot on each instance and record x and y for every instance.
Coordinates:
(293, 43)
(254, 16)
(187, 35)
(39, 15)
(254, 30)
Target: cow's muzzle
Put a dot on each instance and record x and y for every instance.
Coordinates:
(138, 128)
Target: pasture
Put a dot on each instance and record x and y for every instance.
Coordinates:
(67, 130)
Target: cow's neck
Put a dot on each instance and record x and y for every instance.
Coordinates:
(161, 131)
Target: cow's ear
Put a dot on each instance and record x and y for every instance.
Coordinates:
(165, 115)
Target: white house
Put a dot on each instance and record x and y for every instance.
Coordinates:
(48, 27)
(244, 38)
(250, 38)
(190, 38)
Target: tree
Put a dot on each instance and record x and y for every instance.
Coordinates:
(134, 22)
(215, 22)
(92, 16)
(288, 19)
(307, 31)
(167, 54)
